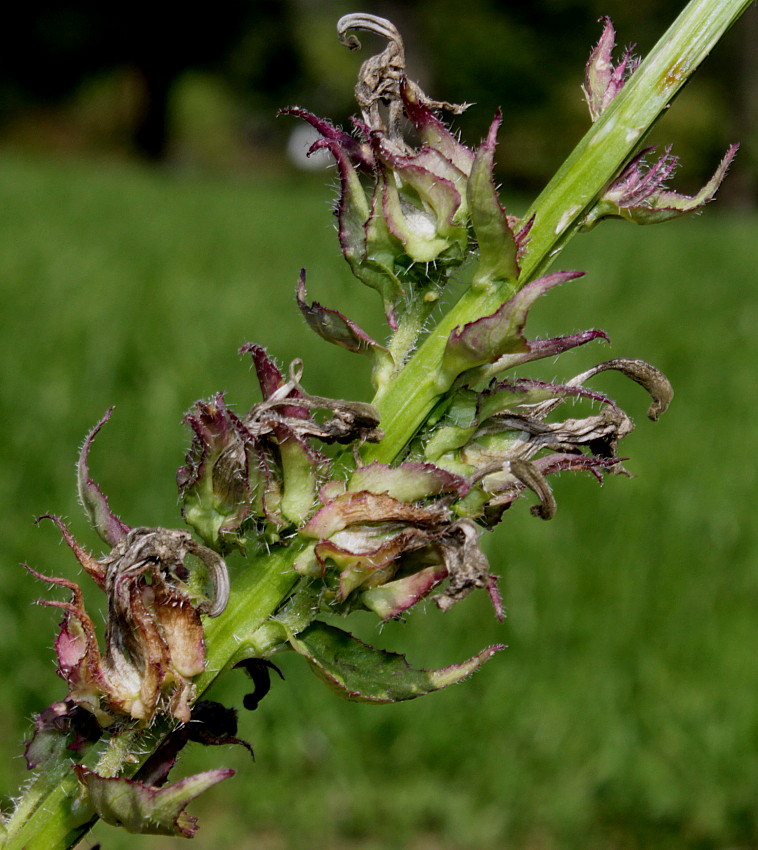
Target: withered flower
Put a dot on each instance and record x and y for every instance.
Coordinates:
(247, 478)
(392, 537)
(154, 643)
(502, 439)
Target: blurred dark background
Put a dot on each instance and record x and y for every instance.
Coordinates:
(199, 88)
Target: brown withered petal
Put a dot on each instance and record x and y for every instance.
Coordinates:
(467, 566)
(350, 421)
(647, 376)
(600, 433)
(529, 475)
(364, 507)
(154, 637)
(382, 77)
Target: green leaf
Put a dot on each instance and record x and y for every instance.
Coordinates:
(497, 244)
(361, 673)
(142, 809)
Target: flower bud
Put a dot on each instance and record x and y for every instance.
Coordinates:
(403, 207)
(215, 485)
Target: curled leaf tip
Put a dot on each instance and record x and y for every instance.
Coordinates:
(528, 474)
(643, 373)
(110, 528)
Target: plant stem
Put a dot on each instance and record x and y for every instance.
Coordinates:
(561, 207)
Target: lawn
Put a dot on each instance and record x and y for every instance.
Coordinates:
(623, 714)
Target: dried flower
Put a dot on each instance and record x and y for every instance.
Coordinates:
(246, 478)
(154, 635)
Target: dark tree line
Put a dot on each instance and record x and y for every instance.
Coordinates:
(524, 57)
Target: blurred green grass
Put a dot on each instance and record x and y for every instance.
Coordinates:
(623, 714)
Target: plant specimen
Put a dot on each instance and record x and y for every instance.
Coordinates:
(325, 506)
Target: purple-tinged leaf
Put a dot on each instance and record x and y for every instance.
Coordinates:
(353, 214)
(497, 244)
(271, 380)
(332, 326)
(541, 348)
(408, 482)
(363, 507)
(76, 649)
(269, 376)
(603, 80)
(506, 494)
(569, 462)
(521, 231)
(675, 202)
(536, 349)
(361, 673)
(509, 395)
(487, 339)
(493, 591)
(434, 133)
(637, 184)
(110, 528)
(640, 195)
(91, 565)
(394, 597)
(357, 152)
(146, 810)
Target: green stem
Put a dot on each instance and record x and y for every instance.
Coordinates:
(561, 207)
